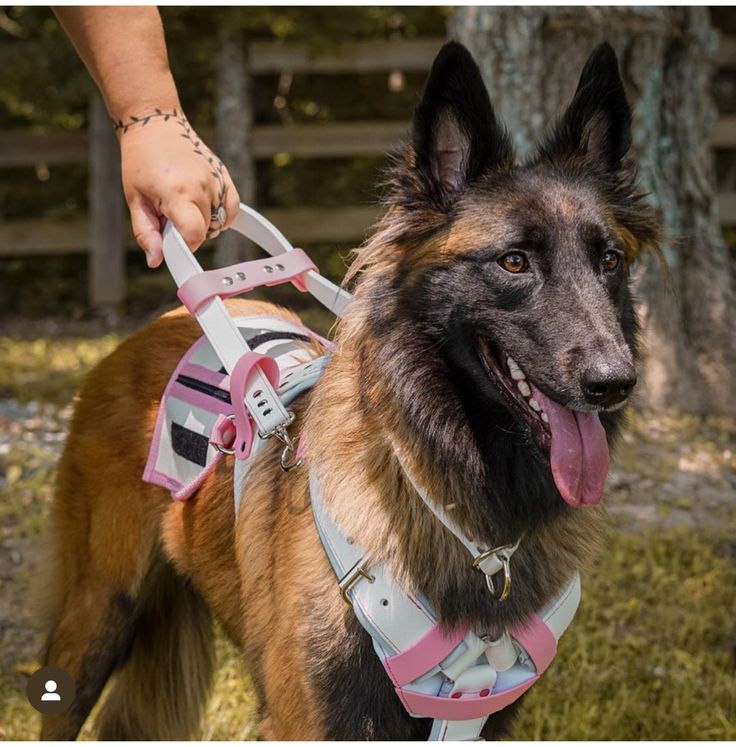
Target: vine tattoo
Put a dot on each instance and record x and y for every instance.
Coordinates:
(218, 216)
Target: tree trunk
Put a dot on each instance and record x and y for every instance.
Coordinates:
(234, 122)
(531, 59)
(106, 203)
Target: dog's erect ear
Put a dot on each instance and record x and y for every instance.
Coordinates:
(597, 122)
(455, 136)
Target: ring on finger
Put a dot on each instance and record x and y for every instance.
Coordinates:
(218, 215)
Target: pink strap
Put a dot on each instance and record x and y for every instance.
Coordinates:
(244, 426)
(423, 655)
(241, 278)
(223, 432)
(463, 708)
(538, 641)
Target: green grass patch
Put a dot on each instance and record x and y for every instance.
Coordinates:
(651, 652)
(49, 370)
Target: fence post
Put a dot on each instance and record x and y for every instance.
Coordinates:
(106, 249)
(233, 140)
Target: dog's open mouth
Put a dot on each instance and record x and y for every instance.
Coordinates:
(574, 442)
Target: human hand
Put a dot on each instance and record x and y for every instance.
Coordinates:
(168, 172)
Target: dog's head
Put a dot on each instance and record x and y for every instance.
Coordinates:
(509, 282)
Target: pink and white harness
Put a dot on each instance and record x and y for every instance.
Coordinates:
(227, 396)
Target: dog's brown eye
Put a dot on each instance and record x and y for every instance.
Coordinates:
(513, 262)
(610, 261)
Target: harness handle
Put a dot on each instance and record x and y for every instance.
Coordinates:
(254, 226)
(270, 416)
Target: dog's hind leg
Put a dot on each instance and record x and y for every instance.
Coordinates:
(154, 635)
(89, 640)
(105, 535)
(161, 691)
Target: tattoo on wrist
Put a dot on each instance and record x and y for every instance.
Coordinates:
(122, 126)
(217, 213)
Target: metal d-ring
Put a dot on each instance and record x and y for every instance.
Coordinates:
(225, 449)
(501, 554)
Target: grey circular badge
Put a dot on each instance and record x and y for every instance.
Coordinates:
(50, 690)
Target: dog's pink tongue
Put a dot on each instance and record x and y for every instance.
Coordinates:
(579, 452)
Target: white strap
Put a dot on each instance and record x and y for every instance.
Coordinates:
(491, 563)
(457, 731)
(220, 330)
(395, 620)
(260, 230)
(217, 323)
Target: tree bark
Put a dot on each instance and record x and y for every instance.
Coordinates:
(234, 122)
(531, 59)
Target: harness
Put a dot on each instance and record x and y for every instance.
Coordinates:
(227, 396)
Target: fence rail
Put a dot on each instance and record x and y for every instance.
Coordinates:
(303, 225)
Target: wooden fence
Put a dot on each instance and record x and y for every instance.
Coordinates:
(106, 234)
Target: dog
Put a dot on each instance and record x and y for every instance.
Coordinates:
(492, 338)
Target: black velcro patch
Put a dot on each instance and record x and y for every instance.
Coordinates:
(188, 444)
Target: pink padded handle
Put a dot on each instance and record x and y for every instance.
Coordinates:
(241, 278)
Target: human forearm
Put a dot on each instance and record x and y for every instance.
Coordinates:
(165, 175)
(125, 52)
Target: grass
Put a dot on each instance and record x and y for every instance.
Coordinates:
(650, 655)
(49, 370)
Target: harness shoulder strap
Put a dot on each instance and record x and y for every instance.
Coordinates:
(454, 677)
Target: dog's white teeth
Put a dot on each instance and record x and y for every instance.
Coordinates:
(534, 404)
(516, 373)
(524, 388)
(545, 418)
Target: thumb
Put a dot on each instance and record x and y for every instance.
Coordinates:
(147, 229)
(189, 221)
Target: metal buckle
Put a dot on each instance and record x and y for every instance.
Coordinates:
(501, 553)
(352, 577)
(288, 461)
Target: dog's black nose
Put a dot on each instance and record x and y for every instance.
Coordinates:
(606, 386)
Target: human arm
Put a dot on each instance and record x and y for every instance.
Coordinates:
(167, 171)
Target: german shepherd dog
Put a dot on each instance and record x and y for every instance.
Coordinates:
(490, 292)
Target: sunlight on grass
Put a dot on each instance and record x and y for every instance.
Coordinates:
(650, 654)
(49, 370)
